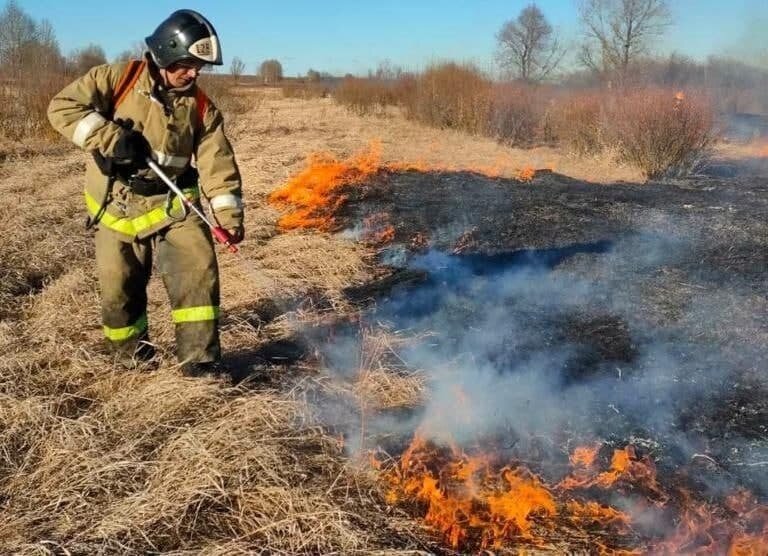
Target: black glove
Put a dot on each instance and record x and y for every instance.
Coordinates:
(131, 150)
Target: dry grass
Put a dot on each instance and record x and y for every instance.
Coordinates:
(94, 460)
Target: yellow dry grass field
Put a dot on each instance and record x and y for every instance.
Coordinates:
(94, 460)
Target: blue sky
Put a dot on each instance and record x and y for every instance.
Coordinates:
(343, 36)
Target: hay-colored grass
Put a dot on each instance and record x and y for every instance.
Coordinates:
(94, 460)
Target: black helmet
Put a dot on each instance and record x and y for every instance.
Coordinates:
(184, 35)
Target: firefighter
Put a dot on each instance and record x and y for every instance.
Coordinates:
(122, 113)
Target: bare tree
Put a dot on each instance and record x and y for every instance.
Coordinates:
(135, 52)
(25, 45)
(271, 71)
(42, 55)
(313, 76)
(617, 32)
(527, 46)
(17, 30)
(236, 68)
(82, 60)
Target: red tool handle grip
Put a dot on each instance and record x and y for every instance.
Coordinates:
(223, 236)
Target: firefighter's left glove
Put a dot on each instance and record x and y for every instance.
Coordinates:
(131, 150)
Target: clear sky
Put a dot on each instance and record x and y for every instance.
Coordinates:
(341, 36)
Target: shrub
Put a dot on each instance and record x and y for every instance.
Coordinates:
(577, 122)
(453, 96)
(305, 90)
(366, 96)
(271, 72)
(219, 89)
(661, 132)
(24, 104)
(516, 114)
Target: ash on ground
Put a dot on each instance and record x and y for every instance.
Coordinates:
(565, 311)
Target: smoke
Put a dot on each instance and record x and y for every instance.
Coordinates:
(606, 340)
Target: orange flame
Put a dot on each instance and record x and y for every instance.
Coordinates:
(315, 194)
(592, 512)
(465, 499)
(626, 466)
(377, 229)
(526, 174)
(679, 96)
(584, 456)
(477, 504)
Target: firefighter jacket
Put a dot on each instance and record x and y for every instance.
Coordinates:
(180, 126)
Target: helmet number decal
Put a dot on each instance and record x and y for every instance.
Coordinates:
(203, 48)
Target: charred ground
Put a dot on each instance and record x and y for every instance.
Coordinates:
(672, 333)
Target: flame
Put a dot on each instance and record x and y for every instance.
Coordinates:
(465, 499)
(626, 466)
(526, 174)
(477, 502)
(584, 456)
(594, 513)
(703, 529)
(315, 194)
(377, 229)
(679, 96)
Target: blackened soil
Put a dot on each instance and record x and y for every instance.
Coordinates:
(677, 313)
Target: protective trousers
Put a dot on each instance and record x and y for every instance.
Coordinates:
(187, 264)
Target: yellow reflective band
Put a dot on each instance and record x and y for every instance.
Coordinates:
(138, 224)
(127, 332)
(196, 314)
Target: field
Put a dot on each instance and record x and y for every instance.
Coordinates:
(307, 450)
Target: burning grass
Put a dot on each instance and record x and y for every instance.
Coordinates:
(94, 460)
(315, 193)
(318, 192)
(480, 500)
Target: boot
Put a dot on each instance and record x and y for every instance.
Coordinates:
(201, 369)
(140, 357)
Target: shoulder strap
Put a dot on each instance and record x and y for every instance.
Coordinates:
(201, 102)
(127, 80)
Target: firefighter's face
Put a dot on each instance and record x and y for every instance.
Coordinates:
(181, 74)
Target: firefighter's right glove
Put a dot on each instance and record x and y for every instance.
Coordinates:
(237, 234)
(131, 150)
(231, 220)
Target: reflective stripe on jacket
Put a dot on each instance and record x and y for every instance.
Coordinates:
(81, 113)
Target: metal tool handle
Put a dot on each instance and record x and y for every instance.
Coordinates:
(221, 235)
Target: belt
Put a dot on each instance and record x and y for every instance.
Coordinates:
(147, 188)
